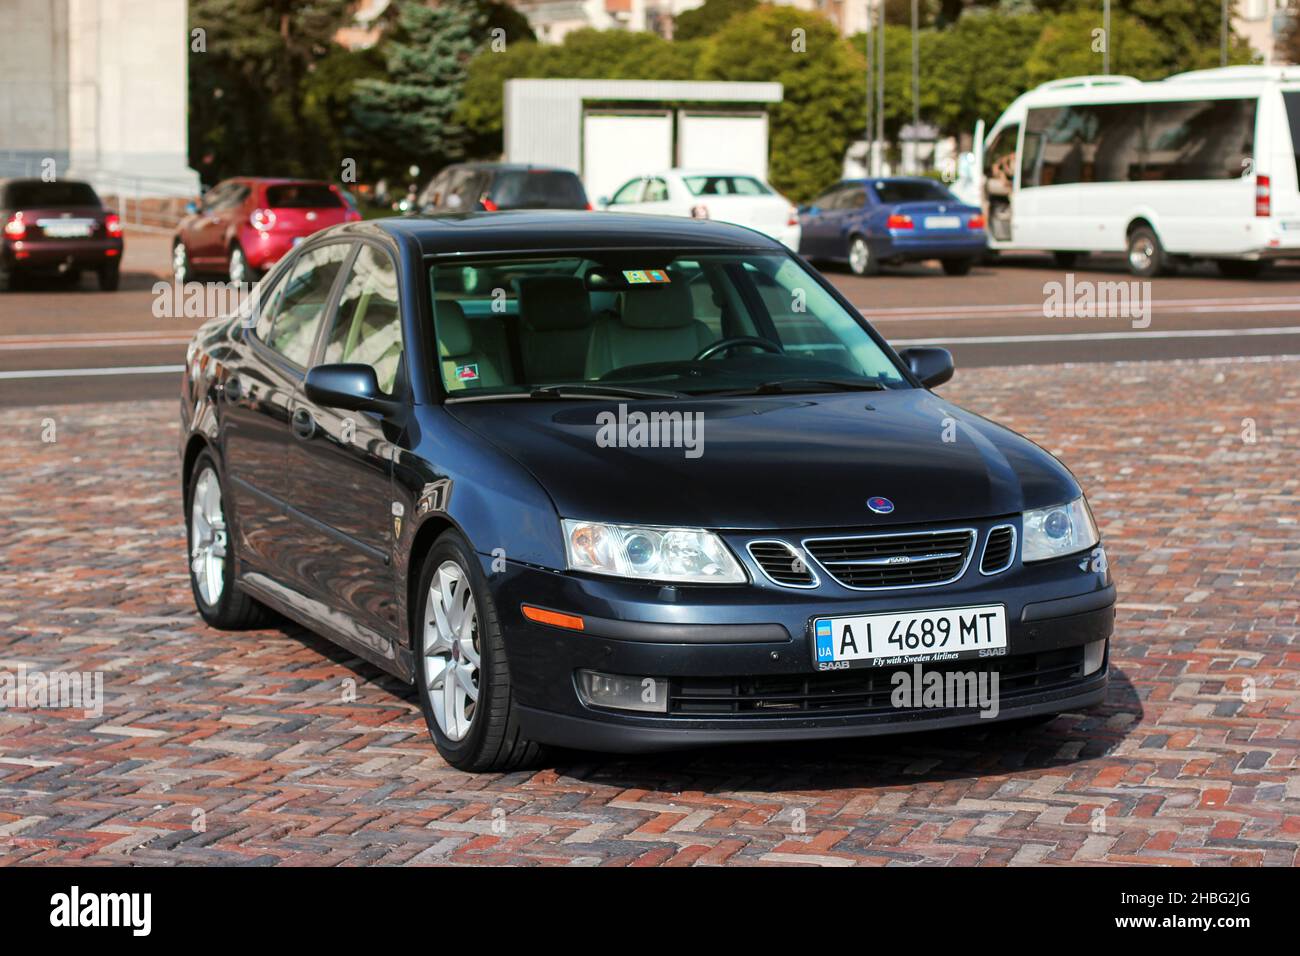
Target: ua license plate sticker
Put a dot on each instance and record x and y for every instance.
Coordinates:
(66, 230)
(881, 640)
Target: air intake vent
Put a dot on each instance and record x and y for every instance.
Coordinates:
(905, 560)
(783, 564)
(999, 549)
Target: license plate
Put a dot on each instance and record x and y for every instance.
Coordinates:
(879, 640)
(66, 230)
(942, 222)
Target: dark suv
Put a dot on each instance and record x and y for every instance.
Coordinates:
(59, 228)
(488, 187)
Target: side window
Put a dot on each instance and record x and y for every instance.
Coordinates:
(630, 191)
(656, 190)
(213, 198)
(828, 199)
(854, 198)
(297, 309)
(368, 328)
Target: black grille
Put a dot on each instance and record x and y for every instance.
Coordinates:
(782, 563)
(998, 549)
(865, 691)
(894, 560)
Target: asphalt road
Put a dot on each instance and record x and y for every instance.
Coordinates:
(64, 343)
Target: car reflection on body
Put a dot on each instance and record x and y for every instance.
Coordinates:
(407, 447)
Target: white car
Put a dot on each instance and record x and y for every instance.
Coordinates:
(710, 194)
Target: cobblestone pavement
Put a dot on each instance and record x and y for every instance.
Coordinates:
(245, 748)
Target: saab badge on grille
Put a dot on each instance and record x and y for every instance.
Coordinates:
(881, 506)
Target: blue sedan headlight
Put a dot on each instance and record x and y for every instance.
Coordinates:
(678, 555)
(1058, 531)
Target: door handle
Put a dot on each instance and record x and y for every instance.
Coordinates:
(304, 426)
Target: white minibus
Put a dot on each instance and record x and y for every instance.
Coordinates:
(1202, 165)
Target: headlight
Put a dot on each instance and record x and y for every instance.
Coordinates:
(685, 555)
(1058, 531)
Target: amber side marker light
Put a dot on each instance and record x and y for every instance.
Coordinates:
(570, 622)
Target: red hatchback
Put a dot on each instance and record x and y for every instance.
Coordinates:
(57, 228)
(243, 226)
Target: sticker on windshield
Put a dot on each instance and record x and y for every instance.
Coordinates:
(467, 373)
(639, 276)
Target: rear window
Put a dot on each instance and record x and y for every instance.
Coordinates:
(302, 196)
(537, 189)
(725, 186)
(892, 192)
(37, 193)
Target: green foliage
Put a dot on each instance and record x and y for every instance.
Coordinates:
(708, 19)
(1071, 45)
(427, 56)
(824, 106)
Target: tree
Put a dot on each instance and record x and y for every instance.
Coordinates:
(1071, 45)
(708, 19)
(247, 67)
(824, 80)
(412, 111)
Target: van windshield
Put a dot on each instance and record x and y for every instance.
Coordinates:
(678, 322)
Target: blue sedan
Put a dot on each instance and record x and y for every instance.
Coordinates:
(870, 222)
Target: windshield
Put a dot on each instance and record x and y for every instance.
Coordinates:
(302, 196)
(680, 323)
(725, 186)
(902, 190)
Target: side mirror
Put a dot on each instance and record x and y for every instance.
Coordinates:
(933, 366)
(191, 207)
(350, 386)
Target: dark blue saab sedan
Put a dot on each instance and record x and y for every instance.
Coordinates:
(873, 222)
(626, 483)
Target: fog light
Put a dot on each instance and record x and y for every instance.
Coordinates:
(623, 693)
(1093, 655)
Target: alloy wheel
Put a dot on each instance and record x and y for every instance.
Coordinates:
(180, 263)
(1140, 254)
(208, 538)
(859, 256)
(451, 649)
(238, 266)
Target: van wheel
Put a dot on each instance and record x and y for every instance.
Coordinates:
(460, 665)
(1146, 257)
(861, 261)
(1239, 268)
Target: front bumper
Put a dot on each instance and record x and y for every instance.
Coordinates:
(738, 661)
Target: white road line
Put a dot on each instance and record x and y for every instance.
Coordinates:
(1096, 336)
(41, 346)
(84, 372)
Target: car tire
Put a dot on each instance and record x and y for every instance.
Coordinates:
(240, 271)
(1066, 260)
(182, 271)
(211, 553)
(468, 704)
(957, 267)
(1146, 256)
(861, 261)
(1239, 268)
(8, 280)
(110, 277)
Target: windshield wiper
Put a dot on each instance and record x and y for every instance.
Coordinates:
(787, 386)
(597, 390)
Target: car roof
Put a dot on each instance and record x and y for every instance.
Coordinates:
(539, 230)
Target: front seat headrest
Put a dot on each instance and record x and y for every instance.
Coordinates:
(658, 306)
(454, 336)
(553, 303)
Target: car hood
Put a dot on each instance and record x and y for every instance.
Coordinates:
(775, 462)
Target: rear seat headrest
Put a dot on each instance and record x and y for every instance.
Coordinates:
(553, 303)
(657, 306)
(454, 336)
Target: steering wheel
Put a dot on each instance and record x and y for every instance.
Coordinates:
(735, 342)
